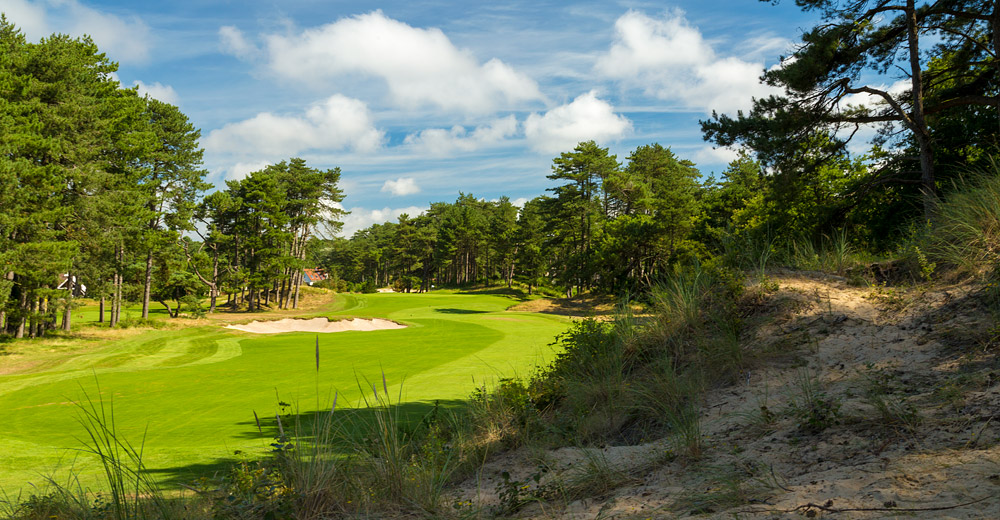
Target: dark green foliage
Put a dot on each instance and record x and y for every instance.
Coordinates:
(946, 116)
(621, 380)
(605, 229)
(260, 230)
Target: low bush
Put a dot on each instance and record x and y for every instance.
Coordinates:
(631, 377)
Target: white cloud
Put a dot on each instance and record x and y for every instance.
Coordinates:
(442, 142)
(242, 169)
(585, 118)
(338, 123)
(715, 155)
(670, 59)
(420, 67)
(232, 41)
(28, 17)
(125, 40)
(518, 202)
(766, 46)
(401, 186)
(361, 218)
(164, 93)
(866, 99)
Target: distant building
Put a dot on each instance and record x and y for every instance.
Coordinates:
(311, 276)
(79, 289)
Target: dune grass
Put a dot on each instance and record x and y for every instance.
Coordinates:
(191, 394)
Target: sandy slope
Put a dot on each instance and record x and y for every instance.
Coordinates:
(934, 452)
(315, 325)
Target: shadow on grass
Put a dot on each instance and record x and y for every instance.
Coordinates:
(459, 311)
(348, 422)
(174, 478)
(350, 428)
(517, 294)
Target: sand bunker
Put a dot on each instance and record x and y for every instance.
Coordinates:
(315, 325)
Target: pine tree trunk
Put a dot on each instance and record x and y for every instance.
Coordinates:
(3, 312)
(283, 290)
(920, 132)
(43, 311)
(33, 317)
(170, 311)
(116, 297)
(113, 319)
(67, 318)
(214, 289)
(19, 333)
(147, 285)
(298, 283)
(298, 270)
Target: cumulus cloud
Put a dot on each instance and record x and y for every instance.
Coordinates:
(124, 39)
(338, 123)
(232, 41)
(586, 118)
(361, 218)
(715, 155)
(871, 100)
(164, 93)
(671, 60)
(442, 142)
(518, 202)
(401, 186)
(420, 67)
(242, 169)
(27, 16)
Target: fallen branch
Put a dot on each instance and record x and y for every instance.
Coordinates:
(828, 508)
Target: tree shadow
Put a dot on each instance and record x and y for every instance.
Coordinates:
(459, 311)
(346, 431)
(517, 294)
(179, 477)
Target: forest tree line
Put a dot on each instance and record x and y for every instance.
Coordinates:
(796, 185)
(606, 226)
(106, 189)
(102, 190)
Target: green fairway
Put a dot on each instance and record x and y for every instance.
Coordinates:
(194, 391)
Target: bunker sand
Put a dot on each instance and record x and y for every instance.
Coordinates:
(316, 325)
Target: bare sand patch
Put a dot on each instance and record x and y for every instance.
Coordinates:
(926, 354)
(316, 325)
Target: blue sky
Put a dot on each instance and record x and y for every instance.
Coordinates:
(416, 101)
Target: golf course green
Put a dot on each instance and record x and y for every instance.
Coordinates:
(192, 393)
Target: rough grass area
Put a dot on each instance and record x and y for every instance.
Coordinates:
(191, 393)
(853, 402)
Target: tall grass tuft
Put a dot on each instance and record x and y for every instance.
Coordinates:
(126, 491)
(314, 469)
(966, 228)
(133, 493)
